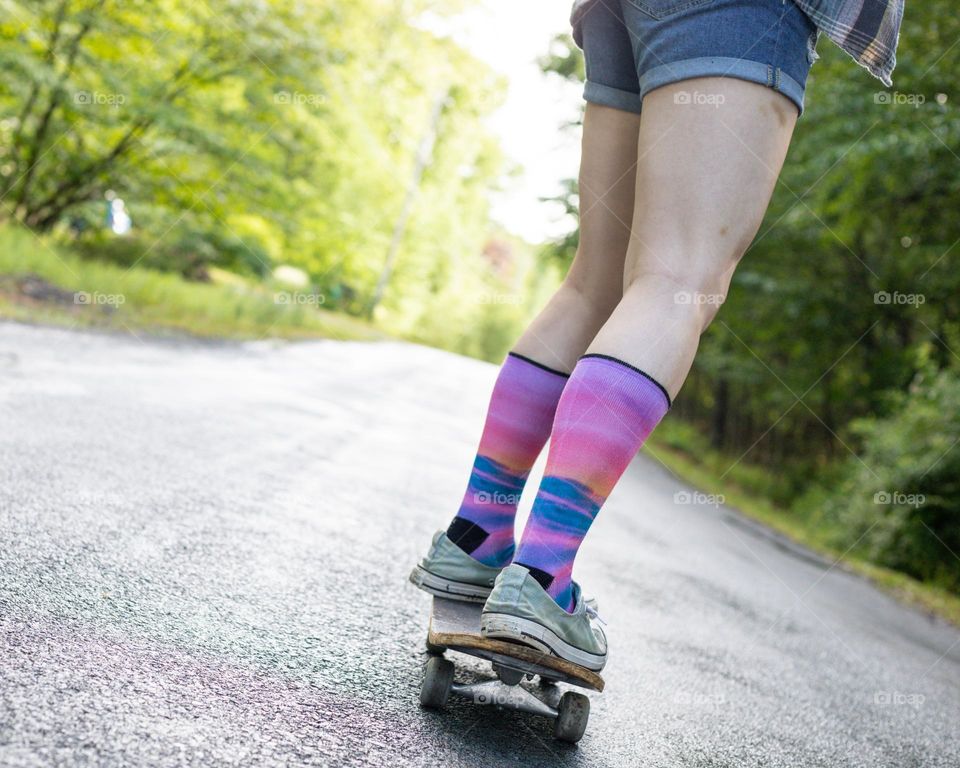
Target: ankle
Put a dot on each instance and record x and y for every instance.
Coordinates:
(494, 548)
(558, 587)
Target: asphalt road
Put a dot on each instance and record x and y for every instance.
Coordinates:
(203, 554)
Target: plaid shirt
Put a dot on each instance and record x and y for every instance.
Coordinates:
(868, 30)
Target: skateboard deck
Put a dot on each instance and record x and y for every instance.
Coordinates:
(455, 624)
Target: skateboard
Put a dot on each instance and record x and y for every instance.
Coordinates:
(455, 626)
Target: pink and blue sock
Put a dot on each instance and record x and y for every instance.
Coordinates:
(605, 414)
(518, 424)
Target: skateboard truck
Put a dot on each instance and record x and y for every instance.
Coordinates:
(500, 694)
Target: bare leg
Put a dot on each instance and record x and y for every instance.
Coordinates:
(705, 174)
(594, 284)
(704, 177)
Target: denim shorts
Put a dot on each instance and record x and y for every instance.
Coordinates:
(633, 46)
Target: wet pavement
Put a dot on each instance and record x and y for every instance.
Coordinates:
(203, 554)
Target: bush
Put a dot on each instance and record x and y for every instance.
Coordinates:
(188, 253)
(900, 502)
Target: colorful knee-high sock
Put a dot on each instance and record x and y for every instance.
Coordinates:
(518, 424)
(605, 414)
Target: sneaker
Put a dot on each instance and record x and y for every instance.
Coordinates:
(448, 571)
(520, 610)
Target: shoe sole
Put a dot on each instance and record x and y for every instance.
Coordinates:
(503, 626)
(443, 587)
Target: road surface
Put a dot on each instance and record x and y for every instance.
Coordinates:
(203, 560)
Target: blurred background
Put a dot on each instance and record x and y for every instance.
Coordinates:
(406, 169)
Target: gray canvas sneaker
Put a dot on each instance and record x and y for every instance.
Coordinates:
(448, 571)
(519, 609)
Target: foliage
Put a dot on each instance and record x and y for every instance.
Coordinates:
(565, 60)
(247, 133)
(847, 295)
(852, 274)
(901, 501)
(190, 253)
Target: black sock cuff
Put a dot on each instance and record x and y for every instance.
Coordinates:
(633, 368)
(541, 366)
(543, 578)
(466, 534)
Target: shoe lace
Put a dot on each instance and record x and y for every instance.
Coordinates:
(592, 613)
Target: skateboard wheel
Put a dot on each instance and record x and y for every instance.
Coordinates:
(572, 715)
(435, 650)
(437, 681)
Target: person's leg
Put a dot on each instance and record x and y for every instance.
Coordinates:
(705, 173)
(594, 284)
(704, 178)
(517, 426)
(521, 410)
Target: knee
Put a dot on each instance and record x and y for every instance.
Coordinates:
(596, 297)
(708, 290)
(691, 285)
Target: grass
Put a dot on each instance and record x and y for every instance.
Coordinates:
(684, 452)
(41, 282)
